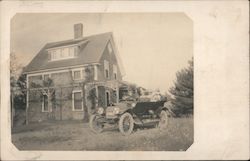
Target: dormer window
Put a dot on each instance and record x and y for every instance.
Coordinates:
(62, 53)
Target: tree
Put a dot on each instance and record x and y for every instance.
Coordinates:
(183, 91)
(14, 70)
(90, 92)
(17, 83)
(17, 86)
(20, 92)
(17, 79)
(46, 88)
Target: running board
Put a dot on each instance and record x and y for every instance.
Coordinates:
(146, 121)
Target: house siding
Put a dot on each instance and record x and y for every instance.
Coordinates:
(110, 57)
(61, 79)
(35, 80)
(62, 108)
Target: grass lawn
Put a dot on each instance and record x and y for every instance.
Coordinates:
(76, 135)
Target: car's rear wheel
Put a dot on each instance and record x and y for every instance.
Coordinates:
(163, 120)
(95, 125)
(126, 124)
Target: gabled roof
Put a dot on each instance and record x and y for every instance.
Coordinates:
(91, 53)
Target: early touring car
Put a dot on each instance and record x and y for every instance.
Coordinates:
(127, 114)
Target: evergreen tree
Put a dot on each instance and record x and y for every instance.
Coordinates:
(183, 91)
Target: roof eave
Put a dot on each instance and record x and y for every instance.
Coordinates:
(59, 68)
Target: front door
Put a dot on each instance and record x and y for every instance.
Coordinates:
(107, 98)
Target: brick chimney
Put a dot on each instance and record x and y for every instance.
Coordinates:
(78, 31)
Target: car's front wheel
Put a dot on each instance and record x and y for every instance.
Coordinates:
(95, 125)
(126, 124)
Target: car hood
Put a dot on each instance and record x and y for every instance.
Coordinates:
(123, 106)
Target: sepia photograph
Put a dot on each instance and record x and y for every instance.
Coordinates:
(124, 80)
(102, 82)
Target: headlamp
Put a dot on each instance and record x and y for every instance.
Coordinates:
(116, 110)
(100, 110)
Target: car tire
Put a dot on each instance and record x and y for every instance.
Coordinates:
(126, 124)
(163, 120)
(94, 125)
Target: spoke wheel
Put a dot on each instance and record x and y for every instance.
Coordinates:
(126, 124)
(95, 125)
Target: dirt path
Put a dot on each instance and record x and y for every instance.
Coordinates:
(78, 136)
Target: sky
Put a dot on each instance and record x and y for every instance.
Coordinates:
(152, 46)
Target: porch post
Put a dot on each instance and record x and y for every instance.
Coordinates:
(95, 73)
(61, 103)
(85, 102)
(117, 93)
(96, 89)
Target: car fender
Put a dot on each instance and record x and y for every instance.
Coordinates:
(122, 108)
(168, 110)
(137, 120)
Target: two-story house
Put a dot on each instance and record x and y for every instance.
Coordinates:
(76, 67)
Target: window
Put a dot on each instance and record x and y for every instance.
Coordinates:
(106, 69)
(115, 71)
(45, 103)
(46, 77)
(84, 74)
(57, 54)
(71, 52)
(63, 53)
(52, 54)
(95, 73)
(76, 49)
(77, 101)
(110, 48)
(81, 73)
(77, 74)
(106, 73)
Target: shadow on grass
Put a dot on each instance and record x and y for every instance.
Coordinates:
(35, 126)
(75, 135)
